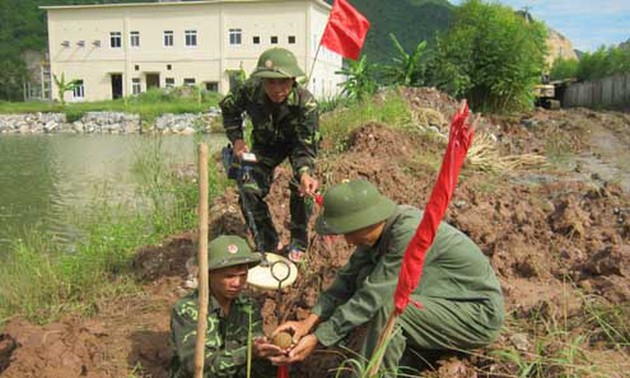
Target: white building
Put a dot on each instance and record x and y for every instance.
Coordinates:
(116, 50)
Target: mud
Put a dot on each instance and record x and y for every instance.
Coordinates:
(554, 237)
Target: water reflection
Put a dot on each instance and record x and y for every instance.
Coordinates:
(44, 177)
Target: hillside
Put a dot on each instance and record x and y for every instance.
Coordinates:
(412, 21)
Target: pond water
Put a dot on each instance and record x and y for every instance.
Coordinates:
(44, 177)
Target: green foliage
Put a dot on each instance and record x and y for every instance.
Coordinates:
(563, 69)
(412, 21)
(405, 69)
(64, 86)
(604, 62)
(360, 83)
(491, 56)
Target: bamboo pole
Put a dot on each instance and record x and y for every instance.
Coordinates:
(202, 258)
(382, 341)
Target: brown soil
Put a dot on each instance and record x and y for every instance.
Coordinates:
(558, 240)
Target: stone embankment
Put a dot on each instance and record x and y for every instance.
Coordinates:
(108, 123)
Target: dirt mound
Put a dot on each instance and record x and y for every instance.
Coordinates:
(540, 230)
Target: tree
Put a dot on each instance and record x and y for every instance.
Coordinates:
(563, 69)
(360, 83)
(491, 55)
(64, 86)
(405, 69)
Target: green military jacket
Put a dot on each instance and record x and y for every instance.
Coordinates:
(454, 269)
(226, 337)
(293, 124)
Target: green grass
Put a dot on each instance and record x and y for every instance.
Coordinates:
(389, 108)
(148, 105)
(42, 282)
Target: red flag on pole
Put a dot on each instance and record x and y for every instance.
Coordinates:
(460, 138)
(345, 31)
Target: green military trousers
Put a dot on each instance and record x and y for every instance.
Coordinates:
(253, 191)
(440, 324)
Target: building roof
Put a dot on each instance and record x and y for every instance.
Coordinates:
(169, 4)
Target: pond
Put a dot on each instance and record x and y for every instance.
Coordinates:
(44, 177)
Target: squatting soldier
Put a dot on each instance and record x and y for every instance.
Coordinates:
(229, 316)
(285, 124)
(462, 303)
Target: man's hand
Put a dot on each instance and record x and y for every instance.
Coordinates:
(303, 349)
(308, 185)
(298, 329)
(262, 348)
(240, 147)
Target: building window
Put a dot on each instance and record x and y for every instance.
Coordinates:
(212, 86)
(256, 40)
(134, 39)
(291, 39)
(189, 82)
(169, 82)
(115, 40)
(191, 38)
(274, 40)
(135, 86)
(136, 67)
(79, 90)
(235, 36)
(169, 67)
(168, 38)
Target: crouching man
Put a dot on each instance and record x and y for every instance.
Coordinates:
(230, 316)
(462, 303)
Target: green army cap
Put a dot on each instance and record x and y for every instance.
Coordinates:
(351, 206)
(228, 250)
(277, 63)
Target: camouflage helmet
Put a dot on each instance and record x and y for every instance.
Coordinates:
(277, 63)
(228, 250)
(351, 206)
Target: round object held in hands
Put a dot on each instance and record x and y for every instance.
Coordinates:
(282, 339)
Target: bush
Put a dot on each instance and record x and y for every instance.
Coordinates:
(491, 55)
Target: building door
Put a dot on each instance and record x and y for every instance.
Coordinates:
(117, 86)
(153, 80)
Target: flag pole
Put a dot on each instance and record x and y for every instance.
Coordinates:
(382, 342)
(314, 60)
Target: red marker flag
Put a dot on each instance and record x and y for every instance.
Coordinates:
(345, 31)
(460, 138)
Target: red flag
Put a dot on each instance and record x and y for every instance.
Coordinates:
(345, 31)
(459, 141)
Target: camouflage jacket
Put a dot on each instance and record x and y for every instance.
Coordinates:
(226, 337)
(293, 125)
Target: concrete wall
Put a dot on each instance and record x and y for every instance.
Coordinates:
(79, 42)
(609, 91)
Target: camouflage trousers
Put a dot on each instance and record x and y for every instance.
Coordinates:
(254, 187)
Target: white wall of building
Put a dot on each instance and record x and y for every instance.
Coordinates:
(80, 46)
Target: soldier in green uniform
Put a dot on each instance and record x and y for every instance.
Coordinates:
(462, 303)
(285, 124)
(229, 317)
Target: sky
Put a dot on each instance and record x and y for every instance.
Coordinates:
(588, 24)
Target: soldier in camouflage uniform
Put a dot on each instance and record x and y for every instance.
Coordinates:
(229, 316)
(285, 124)
(462, 303)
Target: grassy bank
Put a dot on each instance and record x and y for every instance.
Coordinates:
(42, 280)
(149, 105)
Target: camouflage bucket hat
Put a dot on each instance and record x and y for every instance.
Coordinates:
(226, 251)
(351, 206)
(277, 63)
